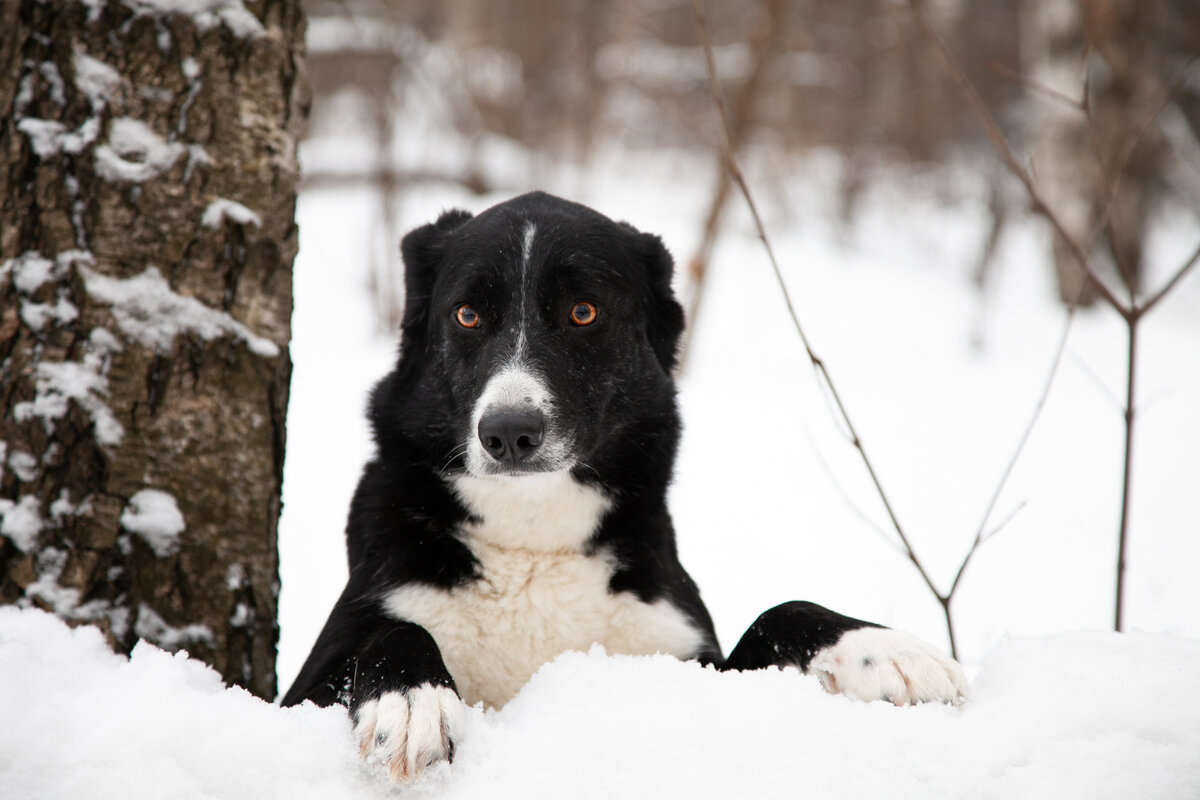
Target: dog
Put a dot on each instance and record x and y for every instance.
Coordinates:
(516, 506)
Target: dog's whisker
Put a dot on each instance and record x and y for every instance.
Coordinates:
(458, 451)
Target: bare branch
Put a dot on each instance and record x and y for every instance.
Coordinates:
(818, 364)
(1113, 400)
(845, 496)
(1002, 524)
(1157, 297)
(1036, 87)
(980, 535)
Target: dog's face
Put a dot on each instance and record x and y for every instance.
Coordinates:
(540, 331)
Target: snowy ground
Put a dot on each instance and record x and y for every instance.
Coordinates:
(1083, 715)
(770, 504)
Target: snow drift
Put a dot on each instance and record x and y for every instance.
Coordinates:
(1087, 715)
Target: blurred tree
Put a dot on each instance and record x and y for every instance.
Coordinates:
(1110, 64)
(147, 192)
(562, 79)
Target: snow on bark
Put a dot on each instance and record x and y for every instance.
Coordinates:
(21, 522)
(221, 209)
(206, 14)
(96, 79)
(154, 628)
(153, 515)
(147, 311)
(23, 465)
(85, 382)
(135, 153)
(29, 272)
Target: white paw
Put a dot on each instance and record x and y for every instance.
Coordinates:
(410, 730)
(883, 664)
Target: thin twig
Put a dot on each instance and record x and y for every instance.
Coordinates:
(818, 364)
(980, 535)
(845, 495)
(1157, 297)
(1036, 87)
(1002, 524)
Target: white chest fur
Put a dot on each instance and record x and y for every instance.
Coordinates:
(538, 595)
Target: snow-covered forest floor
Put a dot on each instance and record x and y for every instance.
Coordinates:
(1080, 715)
(770, 504)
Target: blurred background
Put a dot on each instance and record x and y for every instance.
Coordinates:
(932, 288)
(438, 87)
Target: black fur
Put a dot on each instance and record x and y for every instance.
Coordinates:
(614, 398)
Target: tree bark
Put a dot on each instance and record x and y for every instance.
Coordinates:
(147, 183)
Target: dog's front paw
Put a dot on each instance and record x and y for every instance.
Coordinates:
(408, 730)
(883, 664)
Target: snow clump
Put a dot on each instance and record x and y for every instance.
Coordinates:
(148, 311)
(153, 515)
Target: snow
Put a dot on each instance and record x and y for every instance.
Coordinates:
(36, 315)
(51, 561)
(153, 515)
(30, 270)
(134, 152)
(85, 382)
(221, 209)
(23, 465)
(1083, 715)
(94, 78)
(45, 135)
(148, 311)
(63, 507)
(21, 522)
(152, 626)
(206, 14)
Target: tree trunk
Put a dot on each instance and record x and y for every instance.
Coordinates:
(147, 182)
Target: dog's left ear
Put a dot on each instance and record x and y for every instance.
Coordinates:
(422, 251)
(664, 317)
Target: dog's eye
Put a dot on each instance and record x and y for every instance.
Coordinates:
(583, 313)
(467, 316)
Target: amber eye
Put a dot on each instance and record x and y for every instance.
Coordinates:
(583, 313)
(467, 316)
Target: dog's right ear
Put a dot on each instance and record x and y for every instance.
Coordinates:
(422, 250)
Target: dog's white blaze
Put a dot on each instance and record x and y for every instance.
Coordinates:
(883, 664)
(539, 595)
(516, 387)
(526, 251)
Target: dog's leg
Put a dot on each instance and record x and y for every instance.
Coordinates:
(849, 656)
(407, 712)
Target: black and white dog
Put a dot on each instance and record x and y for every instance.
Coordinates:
(516, 505)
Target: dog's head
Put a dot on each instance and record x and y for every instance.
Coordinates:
(536, 335)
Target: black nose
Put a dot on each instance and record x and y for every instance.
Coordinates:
(511, 436)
